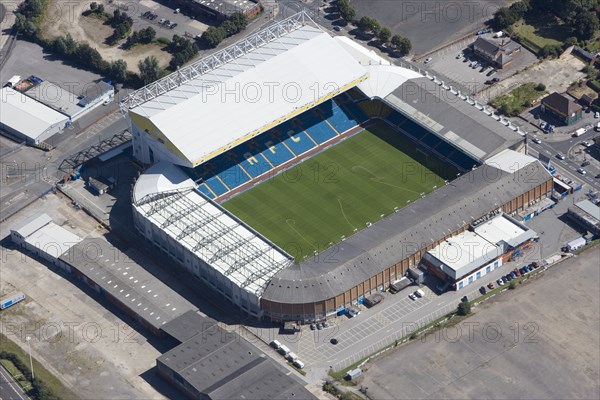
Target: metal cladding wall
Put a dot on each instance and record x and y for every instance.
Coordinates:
(315, 311)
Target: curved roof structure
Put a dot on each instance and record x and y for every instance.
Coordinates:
(246, 89)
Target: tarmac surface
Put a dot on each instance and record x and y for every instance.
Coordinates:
(539, 341)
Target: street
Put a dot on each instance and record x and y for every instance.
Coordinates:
(9, 389)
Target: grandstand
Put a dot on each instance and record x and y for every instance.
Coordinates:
(211, 132)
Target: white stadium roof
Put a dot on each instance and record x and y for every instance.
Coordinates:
(256, 84)
(26, 115)
(223, 242)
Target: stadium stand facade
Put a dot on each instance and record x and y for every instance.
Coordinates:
(205, 148)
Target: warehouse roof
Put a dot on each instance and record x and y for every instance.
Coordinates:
(248, 94)
(503, 228)
(459, 122)
(394, 238)
(590, 208)
(127, 281)
(227, 7)
(510, 160)
(32, 224)
(26, 115)
(223, 365)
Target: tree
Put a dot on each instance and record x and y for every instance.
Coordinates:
(239, 20)
(118, 70)
(346, 10)
(512, 285)
(93, 6)
(385, 34)
(586, 25)
(503, 18)
(401, 44)
(464, 308)
(540, 87)
(213, 36)
(550, 50)
(149, 70)
(571, 41)
(520, 8)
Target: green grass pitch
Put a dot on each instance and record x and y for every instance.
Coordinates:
(332, 195)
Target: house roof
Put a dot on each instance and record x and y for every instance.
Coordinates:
(561, 103)
(486, 46)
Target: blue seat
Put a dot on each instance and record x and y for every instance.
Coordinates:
(358, 115)
(444, 148)
(462, 160)
(234, 176)
(252, 160)
(295, 138)
(272, 149)
(204, 189)
(340, 120)
(316, 127)
(395, 118)
(430, 140)
(216, 186)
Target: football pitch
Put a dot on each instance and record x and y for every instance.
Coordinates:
(338, 192)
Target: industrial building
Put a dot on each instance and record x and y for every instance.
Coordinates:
(463, 259)
(26, 119)
(114, 274)
(218, 10)
(212, 363)
(587, 215)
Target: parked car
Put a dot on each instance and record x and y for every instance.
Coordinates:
(513, 275)
(490, 286)
(325, 325)
(337, 28)
(581, 171)
(499, 282)
(464, 299)
(412, 296)
(162, 21)
(475, 65)
(560, 156)
(585, 163)
(334, 341)
(543, 125)
(522, 271)
(419, 293)
(508, 277)
(597, 114)
(275, 344)
(504, 280)
(482, 290)
(146, 14)
(428, 60)
(536, 139)
(319, 326)
(516, 271)
(313, 327)
(173, 25)
(458, 56)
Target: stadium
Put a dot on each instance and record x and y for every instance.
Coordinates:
(297, 173)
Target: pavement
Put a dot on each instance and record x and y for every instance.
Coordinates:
(9, 389)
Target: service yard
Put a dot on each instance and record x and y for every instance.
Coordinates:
(557, 74)
(537, 342)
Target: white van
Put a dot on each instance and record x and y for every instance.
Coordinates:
(598, 126)
(299, 364)
(283, 350)
(419, 293)
(579, 132)
(292, 357)
(275, 344)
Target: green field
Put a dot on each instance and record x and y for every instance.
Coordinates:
(339, 191)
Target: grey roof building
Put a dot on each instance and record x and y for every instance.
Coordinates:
(212, 363)
(419, 225)
(499, 52)
(452, 119)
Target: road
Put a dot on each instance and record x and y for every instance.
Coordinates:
(9, 389)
